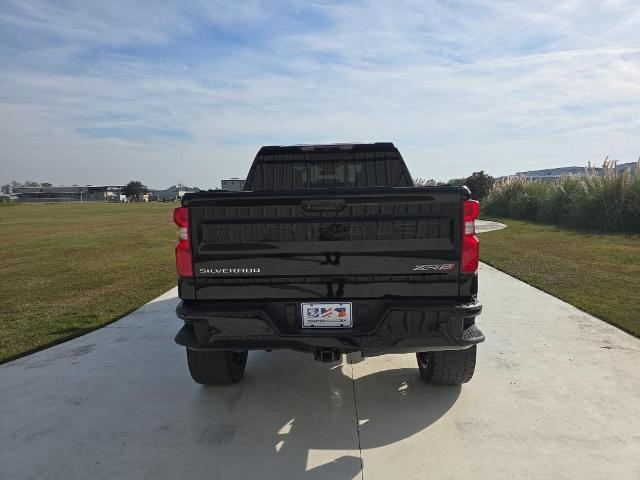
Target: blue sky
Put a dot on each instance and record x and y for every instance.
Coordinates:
(166, 92)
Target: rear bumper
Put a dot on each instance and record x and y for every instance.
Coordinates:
(397, 326)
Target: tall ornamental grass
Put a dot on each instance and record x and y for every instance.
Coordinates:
(610, 202)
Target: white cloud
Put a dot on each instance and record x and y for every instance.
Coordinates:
(490, 85)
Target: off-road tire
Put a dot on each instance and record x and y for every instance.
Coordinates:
(447, 367)
(216, 368)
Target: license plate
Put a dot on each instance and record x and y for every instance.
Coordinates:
(326, 315)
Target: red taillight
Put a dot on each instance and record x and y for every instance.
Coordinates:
(184, 262)
(470, 245)
(471, 210)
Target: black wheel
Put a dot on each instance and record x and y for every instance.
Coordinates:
(216, 368)
(447, 367)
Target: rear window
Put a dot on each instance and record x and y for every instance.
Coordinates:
(322, 170)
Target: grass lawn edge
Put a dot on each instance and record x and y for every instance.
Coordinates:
(544, 288)
(73, 336)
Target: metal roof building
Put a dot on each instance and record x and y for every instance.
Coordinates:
(75, 193)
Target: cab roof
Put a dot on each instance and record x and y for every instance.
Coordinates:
(331, 147)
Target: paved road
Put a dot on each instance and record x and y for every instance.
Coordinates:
(556, 395)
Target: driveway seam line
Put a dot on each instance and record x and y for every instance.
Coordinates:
(355, 405)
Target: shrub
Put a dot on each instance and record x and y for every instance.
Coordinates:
(610, 202)
(480, 184)
(517, 198)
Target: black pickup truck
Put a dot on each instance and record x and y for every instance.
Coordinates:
(330, 249)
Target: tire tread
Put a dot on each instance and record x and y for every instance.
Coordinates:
(448, 367)
(215, 368)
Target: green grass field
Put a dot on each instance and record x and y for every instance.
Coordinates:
(598, 273)
(68, 269)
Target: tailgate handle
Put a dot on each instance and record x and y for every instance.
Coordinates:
(323, 205)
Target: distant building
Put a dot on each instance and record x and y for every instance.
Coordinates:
(233, 184)
(174, 192)
(87, 193)
(631, 167)
(554, 174)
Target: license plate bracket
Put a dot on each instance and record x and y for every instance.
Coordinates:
(326, 315)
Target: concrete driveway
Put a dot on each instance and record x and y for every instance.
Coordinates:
(556, 396)
(487, 226)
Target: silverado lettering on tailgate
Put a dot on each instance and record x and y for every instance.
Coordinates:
(218, 271)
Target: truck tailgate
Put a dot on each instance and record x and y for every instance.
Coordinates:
(326, 243)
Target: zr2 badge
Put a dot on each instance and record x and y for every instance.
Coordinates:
(437, 267)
